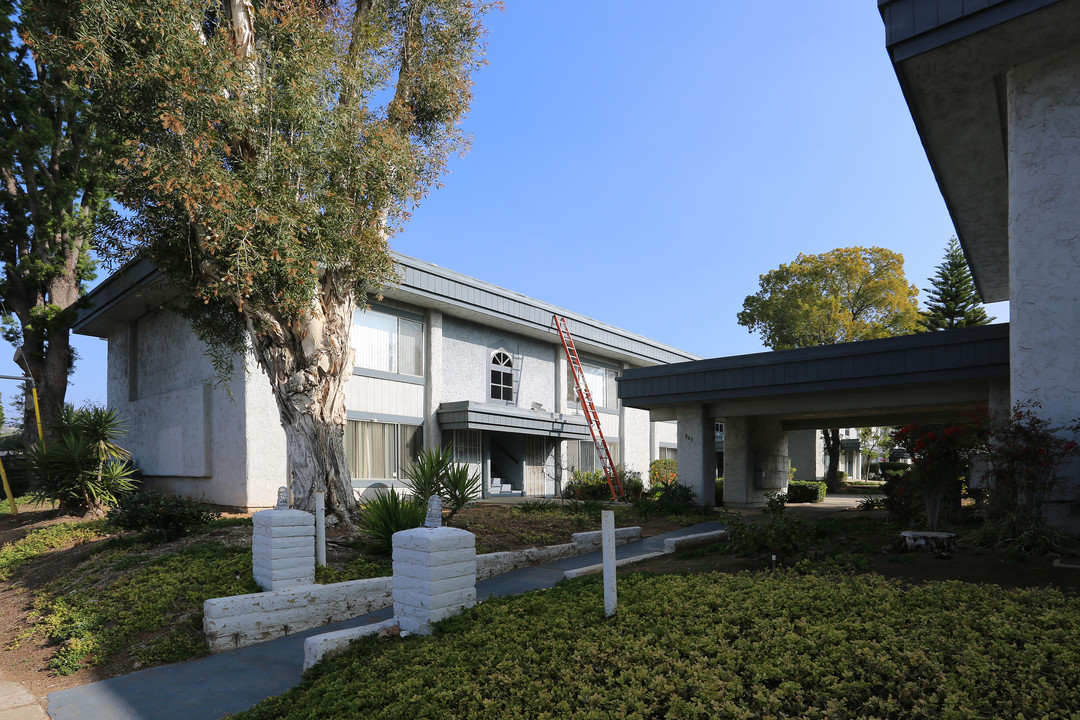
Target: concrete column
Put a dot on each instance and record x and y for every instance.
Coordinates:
(433, 379)
(283, 548)
(999, 402)
(697, 452)
(803, 453)
(755, 460)
(434, 576)
(1044, 246)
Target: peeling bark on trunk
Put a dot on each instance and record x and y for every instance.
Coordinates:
(309, 364)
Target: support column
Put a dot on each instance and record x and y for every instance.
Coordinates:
(562, 371)
(433, 379)
(697, 452)
(755, 460)
(1044, 247)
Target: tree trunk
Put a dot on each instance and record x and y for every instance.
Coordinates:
(308, 363)
(832, 449)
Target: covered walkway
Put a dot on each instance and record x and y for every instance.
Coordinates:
(929, 377)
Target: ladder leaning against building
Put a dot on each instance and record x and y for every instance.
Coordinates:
(589, 408)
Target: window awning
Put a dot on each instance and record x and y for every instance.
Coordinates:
(470, 415)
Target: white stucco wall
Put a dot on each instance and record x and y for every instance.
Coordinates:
(1044, 240)
(186, 436)
(634, 441)
(466, 351)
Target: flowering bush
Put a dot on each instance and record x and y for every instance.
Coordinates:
(940, 457)
(1023, 454)
(662, 472)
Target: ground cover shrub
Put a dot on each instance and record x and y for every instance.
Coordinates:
(37, 542)
(586, 508)
(775, 645)
(20, 501)
(154, 612)
(587, 485)
(386, 513)
(662, 472)
(359, 568)
(536, 507)
(160, 517)
(672, 498)
(803, 491)
(84, 470)
(873, 502)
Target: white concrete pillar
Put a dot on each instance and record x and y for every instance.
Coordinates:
(755, 460)
(433, 379)
(803, 453)
(697, 452)
(1044, 233)
(1044, 244)
(283, 548)
(434, 576)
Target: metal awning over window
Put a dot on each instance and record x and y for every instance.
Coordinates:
(470, 415)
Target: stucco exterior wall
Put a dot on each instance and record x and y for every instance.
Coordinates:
(467, 348)
(634, 440)
(186, 436)
(1044, 239)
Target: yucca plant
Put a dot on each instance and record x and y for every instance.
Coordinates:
(386, 513)
(85, 470)
(424, 477)
(459, 487)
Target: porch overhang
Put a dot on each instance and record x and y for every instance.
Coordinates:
(471, 415)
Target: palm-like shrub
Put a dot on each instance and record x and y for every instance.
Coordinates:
(435, 473)
(84, 470)
(387, 513)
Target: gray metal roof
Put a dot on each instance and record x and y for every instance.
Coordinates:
(946, 357)
(470, 415)
(140, 287)
(915, 26)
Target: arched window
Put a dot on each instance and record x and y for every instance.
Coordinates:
(502, 376)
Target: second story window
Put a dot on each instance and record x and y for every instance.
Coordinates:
(388, 343)
(602, 386)
(502, 377)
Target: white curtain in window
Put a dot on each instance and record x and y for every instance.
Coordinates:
(376, 451)
(411, 347)
(596, 379)
(374, 339)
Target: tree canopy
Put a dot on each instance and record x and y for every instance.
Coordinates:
(952, 300)
(56, 178)
(843, 295)
(272, 150)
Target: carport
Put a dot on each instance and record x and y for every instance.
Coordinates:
(946, 376)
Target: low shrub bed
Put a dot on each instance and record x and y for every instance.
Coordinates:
(805, 491)
(778, 645)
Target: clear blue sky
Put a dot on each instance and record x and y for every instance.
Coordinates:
(644, 163)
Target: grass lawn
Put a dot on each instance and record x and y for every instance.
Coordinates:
(716, 645)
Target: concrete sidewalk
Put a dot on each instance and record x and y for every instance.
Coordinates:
(16, 703)
(230, 682)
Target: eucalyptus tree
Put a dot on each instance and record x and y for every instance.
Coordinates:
(56, 175)
(276, 146)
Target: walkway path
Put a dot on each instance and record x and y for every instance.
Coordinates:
(18, 704)
(230, 682)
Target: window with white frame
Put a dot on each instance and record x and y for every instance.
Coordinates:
(601, 383)
(668, 453)
(501, 370)
(388, 343)
(381, 451)
(581, 455)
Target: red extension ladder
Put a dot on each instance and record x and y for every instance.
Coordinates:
(589, 408)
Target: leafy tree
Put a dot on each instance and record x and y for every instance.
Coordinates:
(56, 174)
(953, 301)
(279, 147)
(844, 295)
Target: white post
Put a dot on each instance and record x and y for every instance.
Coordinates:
(320, 528)
(607, 535)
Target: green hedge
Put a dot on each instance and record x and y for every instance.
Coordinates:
(804, 491)
(776, 645)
